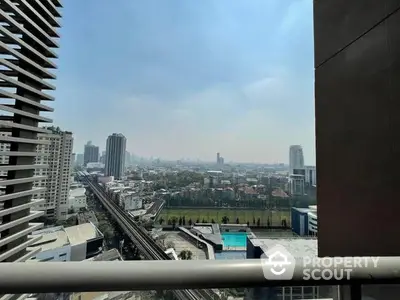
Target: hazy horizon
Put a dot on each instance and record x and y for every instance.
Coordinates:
(189, 79)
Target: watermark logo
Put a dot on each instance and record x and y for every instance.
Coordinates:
(278, 263)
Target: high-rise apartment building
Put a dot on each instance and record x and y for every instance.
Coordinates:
(115, 155)
(91, 153)
(28, 34)
(296, 158)
(57, 154)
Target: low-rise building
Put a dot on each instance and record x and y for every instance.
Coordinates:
(130, 200)
(77, 198)
(296, 184)
(299, 248)
(304, 221)
(75, 243)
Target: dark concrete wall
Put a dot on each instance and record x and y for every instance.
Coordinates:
(357, 97)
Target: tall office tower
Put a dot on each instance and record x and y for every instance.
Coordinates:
(57, 177)
(296, 158)
(218, 158)
(91, 153)
(115, 155)
(28, 34)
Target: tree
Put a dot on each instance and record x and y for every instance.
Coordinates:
(198, 220)
(248, 224)
(185, 255)
(173, 222)
(203, 221)
(180, 221)
(254, 221)
(190, 222)
(225, 220)
(161, 221)
(237, 221)
(212, 221)
(184, 221)
(258, 222)
(268, 222)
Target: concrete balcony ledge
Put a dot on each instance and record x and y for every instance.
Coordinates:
(18, 278)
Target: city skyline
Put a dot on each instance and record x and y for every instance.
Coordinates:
(225, 78)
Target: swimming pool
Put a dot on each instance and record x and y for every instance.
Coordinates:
(234, 239)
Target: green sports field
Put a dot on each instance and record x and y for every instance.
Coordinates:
(244, 216)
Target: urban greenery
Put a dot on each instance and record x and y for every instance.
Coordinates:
(183, 217)
(185, 255)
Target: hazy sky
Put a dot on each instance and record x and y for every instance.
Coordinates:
(185, 78)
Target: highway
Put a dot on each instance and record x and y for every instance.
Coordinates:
(140, 237)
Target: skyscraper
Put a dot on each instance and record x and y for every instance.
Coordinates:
(28, 35)
(91, 153)
(296, 158)
(57, 178)
(115, 155)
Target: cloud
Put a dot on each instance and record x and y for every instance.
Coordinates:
(188, 79)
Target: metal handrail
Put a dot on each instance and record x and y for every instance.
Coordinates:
(18, 278)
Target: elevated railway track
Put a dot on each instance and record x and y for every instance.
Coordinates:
(141, 238)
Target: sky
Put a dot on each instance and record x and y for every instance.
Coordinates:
(187, 79)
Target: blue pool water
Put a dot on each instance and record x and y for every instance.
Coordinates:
(234, 239)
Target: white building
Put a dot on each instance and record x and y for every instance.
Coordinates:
(57, 154)
(311, 175)
(296, 184)
(77, 198)
(296, 158)
(312, 220)
(75, 243)
(130, 200)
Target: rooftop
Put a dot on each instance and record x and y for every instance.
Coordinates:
(86, 217)
(109, 255)
(52, 238)
(56, 237)
(298, 247)
(81, 233)
(77, 192)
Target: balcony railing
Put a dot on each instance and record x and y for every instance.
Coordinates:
(53, 277)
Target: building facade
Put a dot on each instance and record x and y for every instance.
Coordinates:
(296, 184)
(115, 155)
(57, 154)
(74, 243)
(90, 154)
(310, 175)
(296, 158)
(299, 248)
(29, 34)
